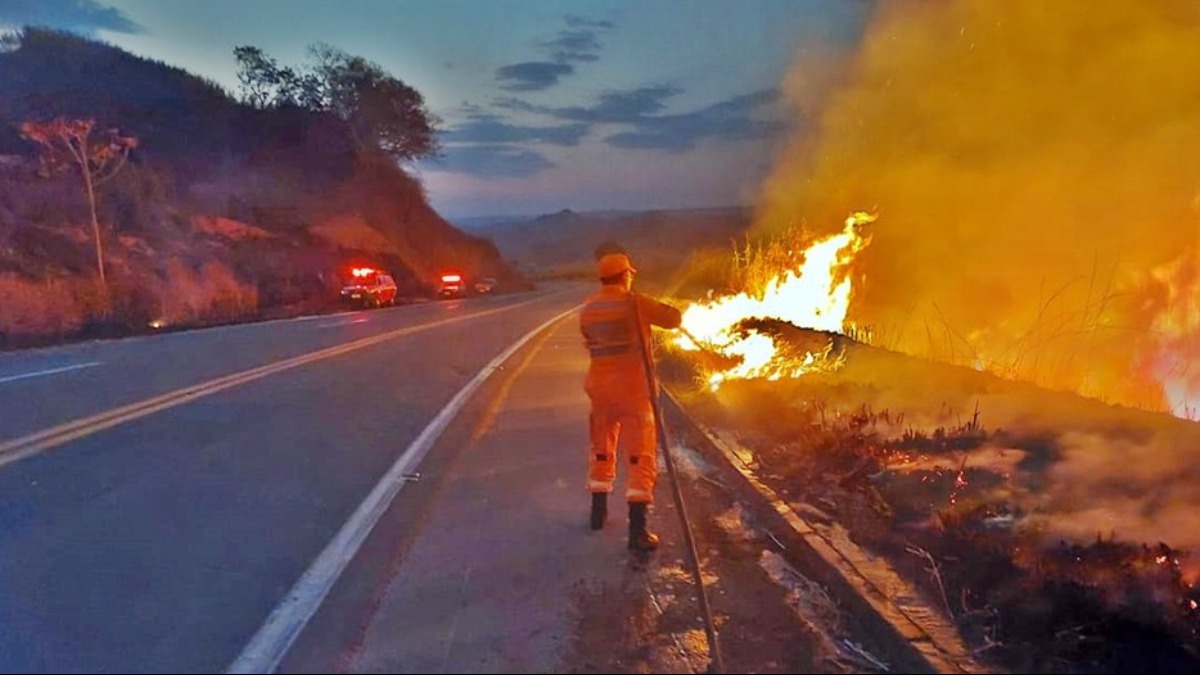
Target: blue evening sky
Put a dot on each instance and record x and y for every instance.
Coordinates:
(546, 105)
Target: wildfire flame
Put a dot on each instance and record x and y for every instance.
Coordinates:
(814, 294)
(1176, 330)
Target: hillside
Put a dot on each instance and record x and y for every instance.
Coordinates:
(224, 212)
(665, 244)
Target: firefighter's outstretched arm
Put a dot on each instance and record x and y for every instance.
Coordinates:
(655, 313)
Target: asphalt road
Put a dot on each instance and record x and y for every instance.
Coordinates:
(159, 496)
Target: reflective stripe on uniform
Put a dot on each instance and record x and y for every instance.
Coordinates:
(597, 352)
(607, 332)
(607, 322)
(609, 305)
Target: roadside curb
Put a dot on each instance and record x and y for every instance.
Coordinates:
(916, 636)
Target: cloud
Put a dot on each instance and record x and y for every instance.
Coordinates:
(733, 119)
(488, 128)
(736, 118)
(576, 21)
(629, 107)
(84, 17)
(574, 45)
(532, 75)
(491, 161)
(578, 43)
(615, 107)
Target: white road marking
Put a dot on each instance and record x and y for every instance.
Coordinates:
(311, 317)
(272, 641)
(19, 448)
(49, 371)
(340, 323)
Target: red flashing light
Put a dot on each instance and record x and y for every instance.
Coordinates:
(362, 271)
(451, 278)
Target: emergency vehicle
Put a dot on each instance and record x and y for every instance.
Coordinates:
(452, 285)
(368, 288)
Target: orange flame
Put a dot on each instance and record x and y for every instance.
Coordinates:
(1176, 331)
(816, 294)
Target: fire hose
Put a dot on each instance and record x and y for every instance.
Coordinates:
(717, 663)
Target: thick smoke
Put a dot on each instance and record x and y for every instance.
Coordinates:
(1036, 171)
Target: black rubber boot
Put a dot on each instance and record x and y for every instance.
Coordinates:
(640, 539)
(599, 510)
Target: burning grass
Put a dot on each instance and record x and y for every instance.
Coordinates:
(787, 281)
(1054, 530)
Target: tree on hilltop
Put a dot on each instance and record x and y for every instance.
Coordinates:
(381, 111)
(266, 84)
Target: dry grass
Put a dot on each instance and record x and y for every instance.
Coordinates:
(38, 312)
(351, 231)
(229, 229)
(34, 309)
(758, 261)
(706, 271)
(747, 266)
(190, 296)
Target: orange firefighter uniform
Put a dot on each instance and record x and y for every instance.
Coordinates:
(617, 384)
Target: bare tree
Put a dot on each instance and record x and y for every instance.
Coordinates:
(67, 144)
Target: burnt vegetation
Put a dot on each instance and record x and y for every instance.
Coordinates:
(939, 494)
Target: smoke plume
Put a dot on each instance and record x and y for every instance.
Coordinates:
(1034, 169)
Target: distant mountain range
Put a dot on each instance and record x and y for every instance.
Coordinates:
(660, 241)
(486, 222)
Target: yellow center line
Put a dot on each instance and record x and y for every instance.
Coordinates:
(39, 441)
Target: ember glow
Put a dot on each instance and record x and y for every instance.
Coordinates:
(815, 293)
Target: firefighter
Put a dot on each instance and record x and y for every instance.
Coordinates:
(619, 386)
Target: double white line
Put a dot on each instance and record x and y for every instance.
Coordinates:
(39, 441)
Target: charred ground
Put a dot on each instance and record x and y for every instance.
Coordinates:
(951, 474)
